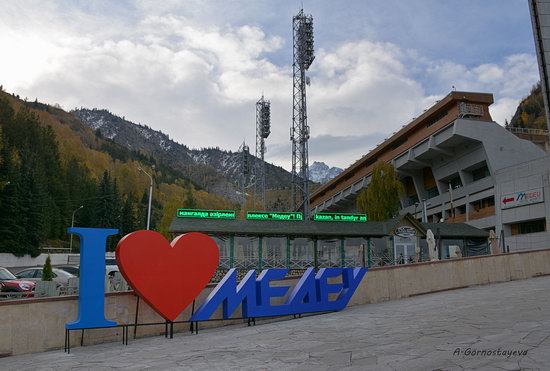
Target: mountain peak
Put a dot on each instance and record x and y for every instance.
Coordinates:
(320, 172)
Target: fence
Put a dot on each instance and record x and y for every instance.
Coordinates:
(36, 325)
(113, 283)
(520, 130)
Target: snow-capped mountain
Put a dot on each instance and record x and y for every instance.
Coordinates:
(216, 170)
(320, 172)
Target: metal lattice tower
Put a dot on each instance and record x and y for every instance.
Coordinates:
(299, 133)
(263, 129)
(245, 168)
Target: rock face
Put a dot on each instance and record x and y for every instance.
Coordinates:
(216, 170)
(320, 172)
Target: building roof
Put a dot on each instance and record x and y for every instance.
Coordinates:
(456, 230)
(278, 228)
(320, 229)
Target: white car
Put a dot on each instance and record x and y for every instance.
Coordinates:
(35, 274)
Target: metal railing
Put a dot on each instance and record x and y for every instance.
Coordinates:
(515, 129)
(15, 295)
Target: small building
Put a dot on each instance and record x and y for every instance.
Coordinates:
(259, 244)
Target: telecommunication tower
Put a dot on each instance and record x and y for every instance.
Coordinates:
(299, 133)
(263, 129)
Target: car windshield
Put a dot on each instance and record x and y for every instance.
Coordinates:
(6, 275)
(110, 262)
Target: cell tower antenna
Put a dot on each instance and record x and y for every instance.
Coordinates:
(302, 26)
(263, 129)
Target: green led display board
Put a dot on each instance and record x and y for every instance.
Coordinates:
(205, 214)
(330, 217)
(267, 215)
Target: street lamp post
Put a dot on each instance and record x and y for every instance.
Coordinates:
(425, 210)
(72, 225)
(150, 197)
(452, 210)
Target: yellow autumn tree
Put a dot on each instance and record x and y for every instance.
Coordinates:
(381, 198)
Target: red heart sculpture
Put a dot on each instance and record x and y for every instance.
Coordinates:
(167, 276)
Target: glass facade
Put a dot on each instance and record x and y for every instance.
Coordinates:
(302, 253)
(298, 253)
(224, 246)
(355, 252)
(329, 253)
(246, 252)
(274, 252)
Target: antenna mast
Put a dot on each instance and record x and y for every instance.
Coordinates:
(299, 133)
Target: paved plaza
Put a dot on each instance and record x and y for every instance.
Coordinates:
(453, 330)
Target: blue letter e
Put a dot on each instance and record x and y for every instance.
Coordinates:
(91, 299)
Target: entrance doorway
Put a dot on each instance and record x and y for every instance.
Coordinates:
(404, 249)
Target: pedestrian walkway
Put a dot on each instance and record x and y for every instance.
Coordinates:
(473, 328)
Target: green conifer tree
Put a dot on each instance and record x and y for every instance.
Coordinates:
(47, 272)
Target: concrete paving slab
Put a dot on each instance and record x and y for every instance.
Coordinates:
(453, 330)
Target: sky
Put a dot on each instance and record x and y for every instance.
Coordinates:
(195, 68)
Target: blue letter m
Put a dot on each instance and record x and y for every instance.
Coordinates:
(228, 293)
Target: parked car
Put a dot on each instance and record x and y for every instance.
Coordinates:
(35, 274)
(72, 269)
(10, 283)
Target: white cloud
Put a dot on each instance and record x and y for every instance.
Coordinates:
(509, 80)
(198, 81)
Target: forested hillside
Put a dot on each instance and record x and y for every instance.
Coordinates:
(51, 164)
(530, 112)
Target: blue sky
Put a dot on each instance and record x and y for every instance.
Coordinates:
(194, 69)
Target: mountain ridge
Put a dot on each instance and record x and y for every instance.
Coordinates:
(213, 169)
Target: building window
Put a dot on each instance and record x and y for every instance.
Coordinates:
(328, 253)
(412, 200)
(399, 143)
(301, 252)
(459, 210)
(455, 182)
(432, 192)
(483, 204)
(274, 252)
(531, 226)
(482, 172)
(435, 118)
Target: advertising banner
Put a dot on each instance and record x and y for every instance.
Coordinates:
(522, 198)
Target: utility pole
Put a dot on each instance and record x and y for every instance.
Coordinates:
(150, 197)
(72, 225)
(299, 133)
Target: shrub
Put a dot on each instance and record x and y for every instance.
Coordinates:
(47, 273)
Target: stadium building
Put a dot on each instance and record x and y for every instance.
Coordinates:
(458, 166)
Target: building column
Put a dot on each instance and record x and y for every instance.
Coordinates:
(232, 252)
